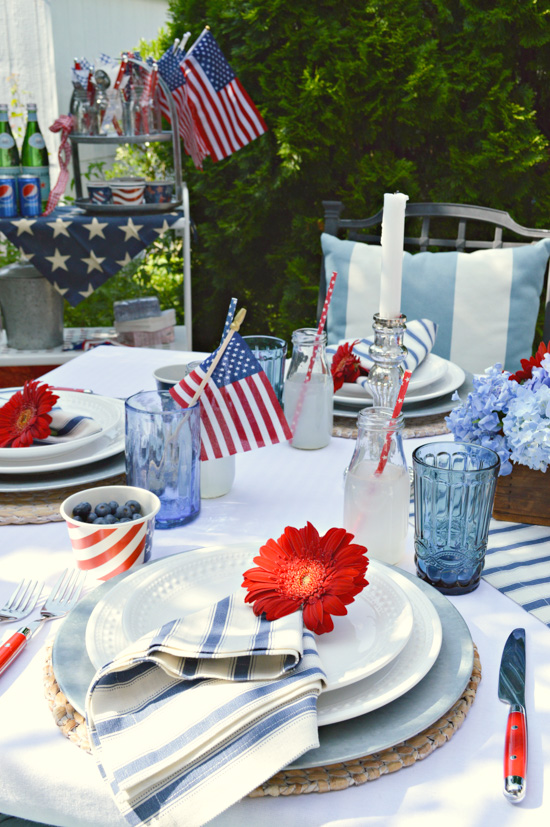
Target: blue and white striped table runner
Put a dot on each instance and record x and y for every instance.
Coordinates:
(192, 717)
(517, 563)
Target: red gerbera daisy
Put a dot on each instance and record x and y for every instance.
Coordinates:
(346, 366)
(528, 364)
(25, 416)
(320, 575)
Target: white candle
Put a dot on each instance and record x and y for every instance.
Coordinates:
(393, 233)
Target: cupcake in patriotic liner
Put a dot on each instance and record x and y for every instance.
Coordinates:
(110, 528)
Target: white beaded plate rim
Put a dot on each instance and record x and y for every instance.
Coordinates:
(101, 409)
(376, 629)
(108, 443)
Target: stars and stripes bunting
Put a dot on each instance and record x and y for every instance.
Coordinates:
(239, 408)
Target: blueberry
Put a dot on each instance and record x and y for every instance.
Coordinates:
(92, 517)
(100, 521)
(134, 506)
(123, 511)
(125, 520)
(102, 509)
(113, 505)
(110, 519)
(136, 516)
(82, 510)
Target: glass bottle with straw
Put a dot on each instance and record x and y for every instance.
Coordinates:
(377, 488)
(309, 390)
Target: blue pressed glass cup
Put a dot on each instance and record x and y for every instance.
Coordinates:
(270, 353)
(163, 447)
(454, 490)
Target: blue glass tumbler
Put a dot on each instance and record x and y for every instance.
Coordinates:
(454, 490)
(163, 446)
(270, 353)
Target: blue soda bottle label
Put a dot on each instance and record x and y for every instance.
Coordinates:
(6, 140)
(37, 141)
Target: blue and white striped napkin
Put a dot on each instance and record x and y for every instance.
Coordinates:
(192, 717)
(419, 339)
(517, 563)
(64, 427)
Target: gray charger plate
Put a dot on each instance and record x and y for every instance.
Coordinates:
(92, 472)
(344, 741)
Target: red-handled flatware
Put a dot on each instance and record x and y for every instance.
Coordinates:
(511, 690)
(63, 597)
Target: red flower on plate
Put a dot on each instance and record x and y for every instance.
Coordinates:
(301, 570)
(25, 416)
(345, 366)
(528, 364)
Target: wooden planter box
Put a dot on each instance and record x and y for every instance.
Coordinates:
(523, 497)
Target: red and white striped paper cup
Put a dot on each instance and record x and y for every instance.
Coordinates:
(128, 193)
(107, 550)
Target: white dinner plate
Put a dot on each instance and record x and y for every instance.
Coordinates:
(108, 443)
(98, 408)
(430, 370)
(449, 382)
(80, 476)
(375, 630)
(394, 680)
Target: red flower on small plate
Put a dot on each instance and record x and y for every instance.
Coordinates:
(528, 364)
(345, 366)
(301, 570)
(25, 416)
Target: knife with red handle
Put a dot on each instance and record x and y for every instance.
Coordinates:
(511, 690)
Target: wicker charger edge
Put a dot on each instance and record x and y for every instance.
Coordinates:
(315, 779)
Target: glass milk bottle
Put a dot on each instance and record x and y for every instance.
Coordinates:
(376, 505)
(308, 404)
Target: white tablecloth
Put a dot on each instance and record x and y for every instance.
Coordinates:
(45, 777)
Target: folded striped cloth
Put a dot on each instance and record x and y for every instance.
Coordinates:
(66, 426)
(193, 716)
(419, 339)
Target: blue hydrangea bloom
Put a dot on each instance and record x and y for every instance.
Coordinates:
(480, 418)
(512, 419)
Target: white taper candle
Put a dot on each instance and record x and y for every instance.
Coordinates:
(393, 233)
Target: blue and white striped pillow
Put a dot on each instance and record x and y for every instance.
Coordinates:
(485, 303)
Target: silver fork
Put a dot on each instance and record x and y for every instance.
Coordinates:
(61, 600)
(22, 601)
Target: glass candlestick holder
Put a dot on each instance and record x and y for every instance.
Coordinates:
(388, 353)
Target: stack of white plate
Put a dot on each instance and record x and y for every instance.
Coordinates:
(395, 663)
(430, 390)
(79, 461)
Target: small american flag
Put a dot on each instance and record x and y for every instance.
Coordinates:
(239, 409)
(223, 113)
(170, 72)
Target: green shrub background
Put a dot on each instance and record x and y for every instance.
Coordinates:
(445, 100)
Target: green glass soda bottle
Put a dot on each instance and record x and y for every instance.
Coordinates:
(9, 154)
(34, 155)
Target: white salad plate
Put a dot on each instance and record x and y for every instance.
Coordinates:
(373, 633)
(430, 370)
(108, 443)
(452, 379)
(405, 671)
(99, 408)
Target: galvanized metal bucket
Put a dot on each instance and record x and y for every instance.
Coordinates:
(32, 310)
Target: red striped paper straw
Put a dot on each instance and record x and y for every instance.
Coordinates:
(396, 411)
(320, 327)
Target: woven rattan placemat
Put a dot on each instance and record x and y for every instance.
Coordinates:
(316, 779)
(428, 426)
(19, 507)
